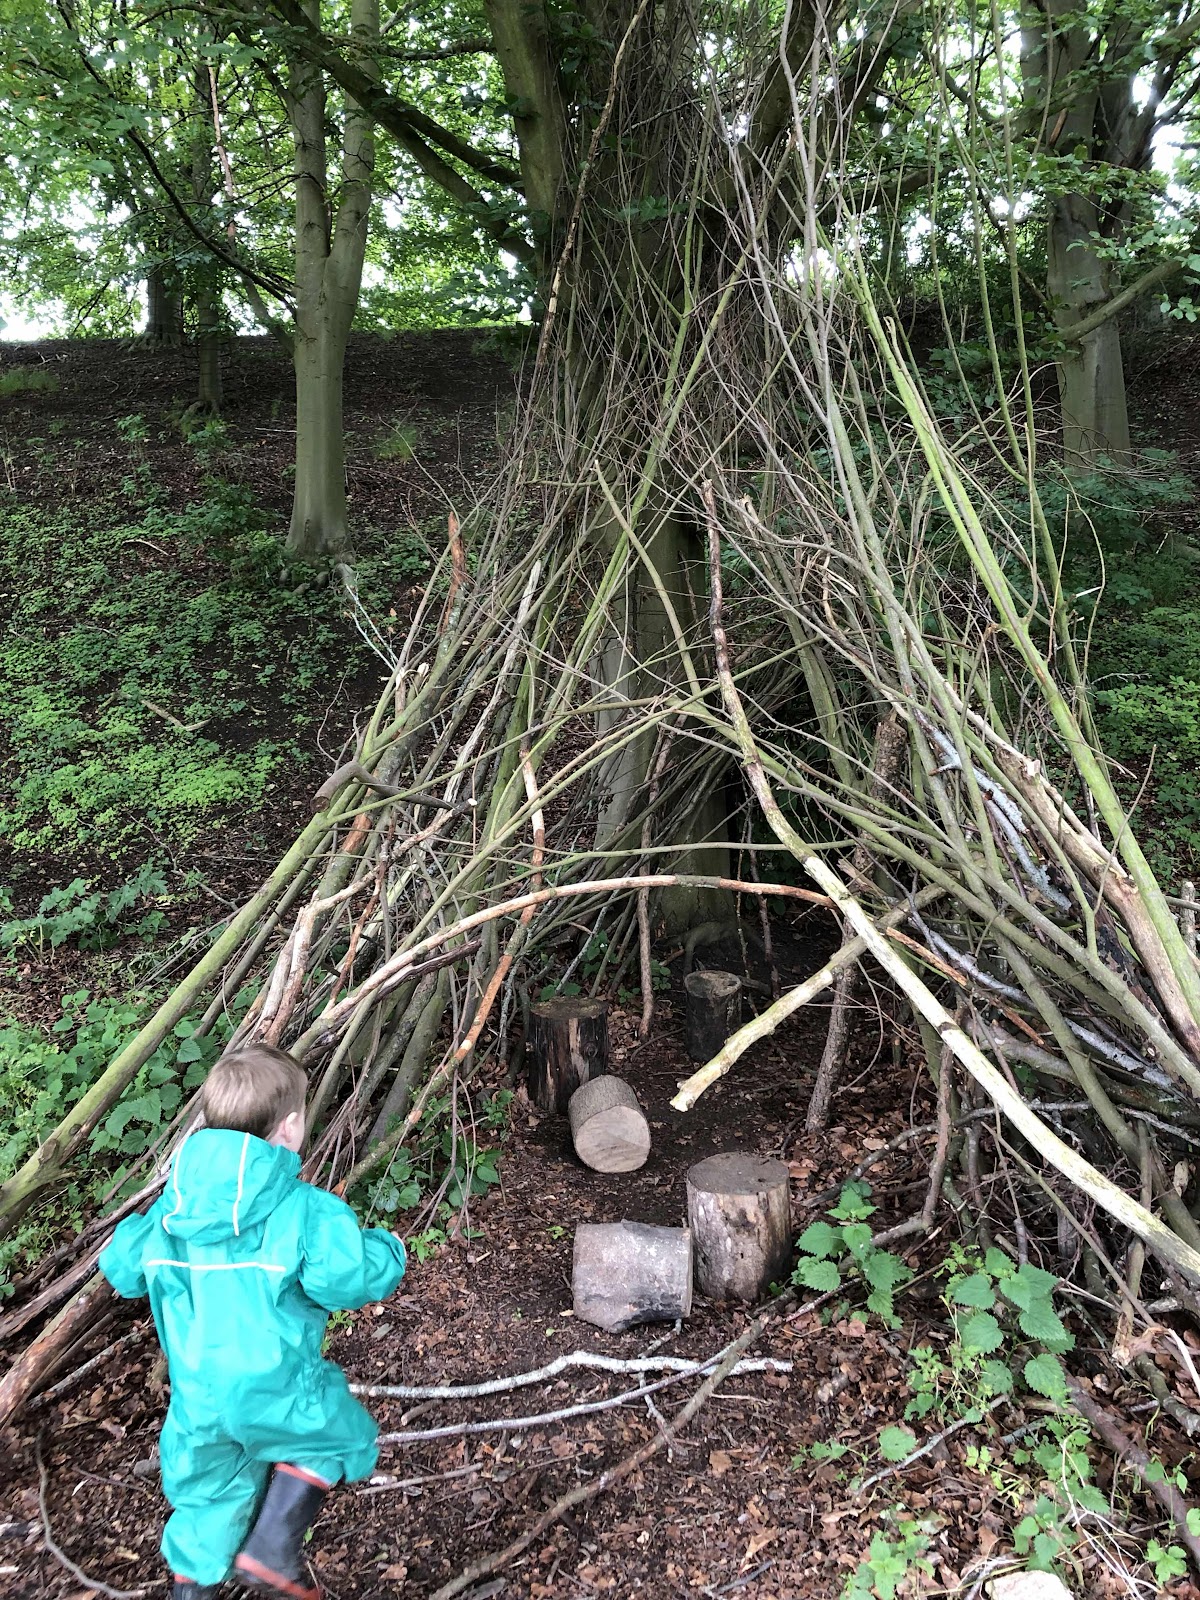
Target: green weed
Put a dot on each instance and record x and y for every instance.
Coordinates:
(26, 380)
(830, 1255)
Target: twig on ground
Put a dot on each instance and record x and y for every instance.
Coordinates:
(488, 1564)
(1101, 1421)
(971, 1418)
(90, 1365)
(453, 1430)
(566, 1363)
(77, 1573)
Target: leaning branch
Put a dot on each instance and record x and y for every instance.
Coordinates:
(1081, 1173)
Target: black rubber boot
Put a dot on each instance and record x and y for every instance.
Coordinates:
(272, 1558)
(187, 1589)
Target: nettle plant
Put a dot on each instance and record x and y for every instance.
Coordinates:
(1006, 1334)
(840, 1252)
(1006, 1339)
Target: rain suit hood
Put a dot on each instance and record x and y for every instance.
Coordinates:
(223, 1182)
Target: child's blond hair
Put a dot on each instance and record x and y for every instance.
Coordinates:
(253, 1090)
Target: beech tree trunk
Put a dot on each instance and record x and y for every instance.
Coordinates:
(330, 250)
(163, 322)
(1091, 375)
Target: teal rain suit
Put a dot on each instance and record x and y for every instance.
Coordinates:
(243, 1263)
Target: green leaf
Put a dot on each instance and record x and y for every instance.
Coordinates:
(857, 1236)
(1043, 1323)
(896, 1443)
(884, 1271)
(1044, 1375)
(997, 1376)
(973, 1291)
(1193, 1521)
(822, 1276)
(981, 1333)
(997, 1262)
(189, 1050)
(819, 1239)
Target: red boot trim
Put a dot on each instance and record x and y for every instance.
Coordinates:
(274, 1580)
(179, 1578)
(299, 1472)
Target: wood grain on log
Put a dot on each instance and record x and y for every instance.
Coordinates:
(739, 1214)
(712, 1011)
(608, 1129)
(570, 1045)
(625, 1273)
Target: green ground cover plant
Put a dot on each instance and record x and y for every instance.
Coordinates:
(160, 672)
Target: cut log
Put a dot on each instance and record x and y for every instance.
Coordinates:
(608, 1129)
(625, 1273)
(712, 1011)
(739, 1216)
(570, 1045)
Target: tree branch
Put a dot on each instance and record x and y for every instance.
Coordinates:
(1162, 273)
(400, 118)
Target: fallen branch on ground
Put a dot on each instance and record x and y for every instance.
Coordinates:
(660, 1441)
(80, 1576)
(577, 1358)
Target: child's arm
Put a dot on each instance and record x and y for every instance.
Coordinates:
(346, 1266)
(121, 1259)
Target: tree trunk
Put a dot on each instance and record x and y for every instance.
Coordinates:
(163, 323)
(320, 523)
(1091, 374)
(207, 278)
(208, 351)
(329, 263)
(631, 663)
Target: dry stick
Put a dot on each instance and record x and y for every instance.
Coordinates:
(72, 1378)
(767, 1021)
(38, 1358)
(1187, 916)
(638, 1458)
(586, 1359)
(971, 1418)
(891, 742)
(396, 970)
(454, 1430)
(1102, 1421)
(77, 1573)
(1081, 1173)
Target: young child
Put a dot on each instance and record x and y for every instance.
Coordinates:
(243, 1263)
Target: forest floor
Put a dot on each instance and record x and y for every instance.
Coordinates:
(743, 1505)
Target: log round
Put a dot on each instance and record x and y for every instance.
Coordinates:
(608, 1129)
(569, 1039)
(625, 1273)
(712, 1011)
(739, 1213)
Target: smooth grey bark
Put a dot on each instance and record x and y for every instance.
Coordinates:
(329, 260)
(1079, 96)
(164, 324)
